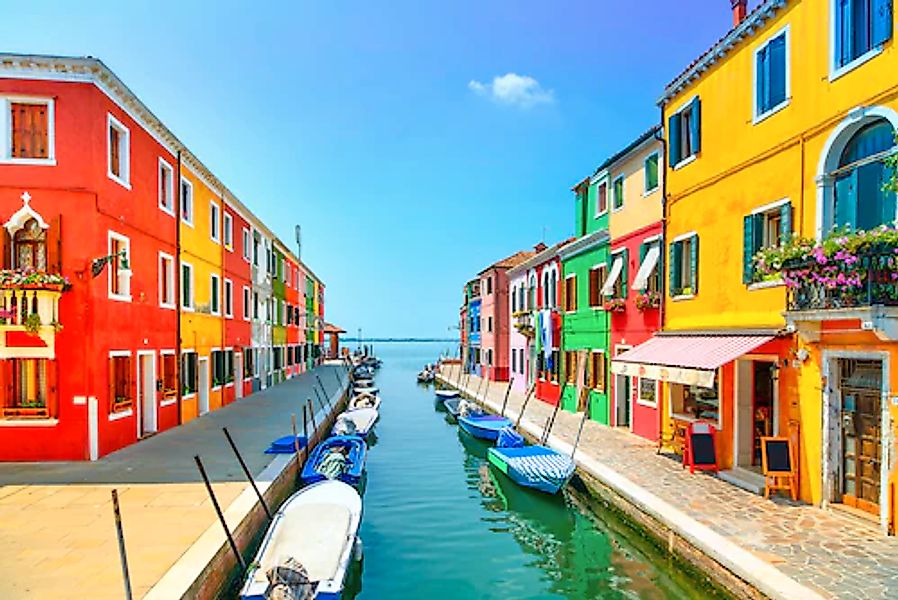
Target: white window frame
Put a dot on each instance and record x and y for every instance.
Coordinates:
(247, 245)
(212, 295)
(623, 193)
(228, 298)
(687, 105)
(169, 275)
(112, 235)
(128, 412)
(836, 71)
(227, 230)
(247, 301)
(214, 222)
(164, 166)
(639, 399)
(124, 152)
(6, 131)
(192, 282)
(168, 352)
(599, 183)
(645, 189)
(186, 216)
(680, 238)
(758, 116)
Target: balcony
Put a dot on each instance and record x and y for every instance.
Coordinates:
(29, 314)
(523, 323)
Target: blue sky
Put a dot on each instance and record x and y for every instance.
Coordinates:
(377, 127)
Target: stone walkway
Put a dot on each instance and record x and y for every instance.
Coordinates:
(57, 531)
(836, 555)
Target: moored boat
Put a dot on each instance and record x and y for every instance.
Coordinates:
(358, 422)
(537, 467)
(364, 390)
(446, 394)
(308, 546)
(339, 457)
(483, 426)
(363, 399)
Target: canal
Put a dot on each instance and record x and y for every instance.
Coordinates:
(440, 523)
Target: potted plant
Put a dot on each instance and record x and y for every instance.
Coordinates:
(32, 323)
(615, 305)
(646, 300)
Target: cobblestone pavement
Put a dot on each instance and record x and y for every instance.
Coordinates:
(57, 531)
(835, 554)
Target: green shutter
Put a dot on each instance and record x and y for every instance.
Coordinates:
(786, 222)
(676, 250)
(748, 247)
(693, 264)
(673, 139)
(625, 257)
(659, 267)
(695, 125)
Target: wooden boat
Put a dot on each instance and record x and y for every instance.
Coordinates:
(483, 426)
(319, 466)
(536, 467)
(446, 394)
(364, 400)
(356, 422)
(313, 537)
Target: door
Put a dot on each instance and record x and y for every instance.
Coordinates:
(861, 421)
(146, 394)
(762, 407)
(203, 385)
(622, 389)
(238, 375)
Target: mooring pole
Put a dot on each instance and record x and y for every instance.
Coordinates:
(549, 424)
(323, 390)
(339, 381)
(579, 431)
(486, 392)
(224, 524)
(123, 555)
(305, 431)
(524, 405)
(312, 415)
(249, 475)
(507, 391)
(320, 401)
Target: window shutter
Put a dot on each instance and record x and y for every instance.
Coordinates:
(673, 139)
(882, 21)
(695, 132)
(111, 383)
(748, 247)
(843, 32)
(625, 258)
(659, 268)
(763, 77)
(786, 222)
(7, 249)
(776, 68)
(846, 200)
(676, 250)
(54, 245)
(693, 264)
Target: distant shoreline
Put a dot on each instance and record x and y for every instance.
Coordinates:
(391, 340)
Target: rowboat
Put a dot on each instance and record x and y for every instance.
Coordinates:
(339, 457)
(446, 394)
(536, 467)
(308, 546)
(483, 426)
(356, 422)
(364, 400)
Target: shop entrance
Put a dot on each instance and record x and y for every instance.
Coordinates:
(755, 410)
(622, 400)
(859, 432)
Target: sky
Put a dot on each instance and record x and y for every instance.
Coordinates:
(415, 142)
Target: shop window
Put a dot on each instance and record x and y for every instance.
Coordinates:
(30, 130)
(694, 402)
(30, 388)
(169, 377)
(30, 246)
(189, 373)
(648, 392)
(684, 266)
(119, 151)
(570, 293)
(121, 393)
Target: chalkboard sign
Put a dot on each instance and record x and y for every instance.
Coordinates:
(703, 449)
(777, 455)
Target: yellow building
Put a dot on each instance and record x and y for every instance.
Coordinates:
(777, 132)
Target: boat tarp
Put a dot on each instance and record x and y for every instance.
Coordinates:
(537, 465)
(509, 438)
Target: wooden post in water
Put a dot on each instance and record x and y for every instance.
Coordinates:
(123, 555)
(507, 391)
(249, 475)
(524, 406)
(224, 523)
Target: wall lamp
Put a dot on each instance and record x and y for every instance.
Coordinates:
(97, 264)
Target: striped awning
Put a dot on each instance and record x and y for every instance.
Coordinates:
(685, 359)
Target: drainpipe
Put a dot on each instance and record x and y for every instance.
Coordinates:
(177, 278)
(664, 254)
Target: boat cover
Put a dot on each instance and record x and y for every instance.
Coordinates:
(509, 438)
(286, 445)
(538, 465)
(333, 464)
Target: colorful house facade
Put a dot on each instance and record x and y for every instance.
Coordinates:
(122, 288)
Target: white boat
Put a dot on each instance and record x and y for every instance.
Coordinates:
(446, 394)
(355, 422)
(312, 537)
(364, 383)
(364, 400)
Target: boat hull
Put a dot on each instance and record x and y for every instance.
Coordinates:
(484, 427)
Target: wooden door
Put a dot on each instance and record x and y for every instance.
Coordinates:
(861, 392)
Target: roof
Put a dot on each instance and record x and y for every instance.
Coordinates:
(639, 141)
(744, 30)
(540, 257)
(329, 328)
(510, 261)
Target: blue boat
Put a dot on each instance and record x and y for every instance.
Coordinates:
(321, 465)
(483, 426)
(536, 467)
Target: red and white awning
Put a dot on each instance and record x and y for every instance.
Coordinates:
(685, 359)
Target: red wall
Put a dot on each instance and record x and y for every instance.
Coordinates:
(237, 331)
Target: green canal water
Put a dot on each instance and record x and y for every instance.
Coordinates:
(441, 523)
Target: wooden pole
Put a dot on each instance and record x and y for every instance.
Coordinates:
(123, 555)
(507, 391)
(323, 389)
(305, 431)
(320, 401)
(524, 406)
(312, 417)
(221, 518)
(249, 475)
(549, 424)
(579, 432)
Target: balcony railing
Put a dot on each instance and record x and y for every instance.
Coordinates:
(29, 320)
(872, 280)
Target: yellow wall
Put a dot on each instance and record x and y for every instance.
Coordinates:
(640, 209)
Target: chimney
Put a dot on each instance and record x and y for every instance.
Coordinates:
(740, 10)
(540, 247)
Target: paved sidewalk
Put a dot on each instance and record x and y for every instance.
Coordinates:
(57, 531)
(833, 554)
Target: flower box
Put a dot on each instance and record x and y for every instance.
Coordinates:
(32, 412)
(648, 300)
(615, 305)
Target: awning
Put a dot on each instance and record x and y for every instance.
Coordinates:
(616, 268)
(646, 268)
(685, 359)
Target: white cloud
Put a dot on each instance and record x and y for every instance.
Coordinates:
(512, 89)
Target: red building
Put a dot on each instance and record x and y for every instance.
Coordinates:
(236, 249)
(291, 296)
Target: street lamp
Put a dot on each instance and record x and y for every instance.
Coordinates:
(124, 267)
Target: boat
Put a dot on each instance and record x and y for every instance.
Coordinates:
(364, 382)
(364, 390)
(537, 467)
(310, 543)
(483, 426)
(452, 406)
(446, 394)
(364, 400)
(426, 377)
(458, 406)
(357, 422)
(338, 457)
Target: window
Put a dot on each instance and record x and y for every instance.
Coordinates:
(684, 266)
(166, 188)
(767, 227)
(570, 367)
(860, 27)
(30, 246)
(187, 286)
(648, 277)
(218, 368)
(570, 293)
(489, 285)
(245, 303)
(648, 392)
(287, 272)
(30, 137)
(120, 394)
(186, 201)
(228, 298)
(256, 305)
(684, 132)
(489, 324)
(596, 373)
(214, 222)
(118, 151)
(30, 388)
(602, 199)
(248, 355)
(694, 402)
(256, 243)
(617, 201)
(166, 281)
(215, 294)
(189, 372)
(514, 360)
(597, 276)
(650, 173)
(246, 245)
(119, 274)
(620, 283)
(169, 377)
(771, 75)
(228, 231)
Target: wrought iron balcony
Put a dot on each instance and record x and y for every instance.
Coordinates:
(871, 281)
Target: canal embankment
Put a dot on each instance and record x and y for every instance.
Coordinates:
(751, 546)
(58, 518)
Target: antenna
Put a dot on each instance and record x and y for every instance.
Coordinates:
(299, 242)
